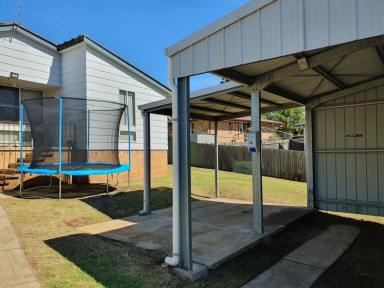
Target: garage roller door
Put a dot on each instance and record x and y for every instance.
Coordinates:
(349, 153)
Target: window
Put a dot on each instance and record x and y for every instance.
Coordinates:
(9, 104)
(128, 98)
(192, 127)
(241, 127)
(124, 136)
(9, 115)
(32, 94)
(230, 125)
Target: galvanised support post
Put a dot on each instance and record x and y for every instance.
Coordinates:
(88, 135)
(308, 137)
(184, 173)
(257, 186)
(217, 192)
(147, 165)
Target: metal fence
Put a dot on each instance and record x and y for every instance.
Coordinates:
(285, 164)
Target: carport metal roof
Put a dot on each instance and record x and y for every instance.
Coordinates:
(223, 102)
(298, 50)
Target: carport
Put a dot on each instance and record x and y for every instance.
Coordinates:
(226, 101)
(326, 55)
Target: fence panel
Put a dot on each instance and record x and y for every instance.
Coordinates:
(286, 164)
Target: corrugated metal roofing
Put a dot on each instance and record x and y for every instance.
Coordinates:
(222, 102)
(265, 29)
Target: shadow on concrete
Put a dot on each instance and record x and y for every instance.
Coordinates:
(125, 204)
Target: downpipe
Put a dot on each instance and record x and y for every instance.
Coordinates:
(174, 259)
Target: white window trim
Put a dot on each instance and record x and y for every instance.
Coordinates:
(124, 127)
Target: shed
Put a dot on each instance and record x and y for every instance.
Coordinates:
(325, 55)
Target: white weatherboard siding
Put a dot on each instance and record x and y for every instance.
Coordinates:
(265, 29)
(73, 79)
(104, 79)
(33, 61)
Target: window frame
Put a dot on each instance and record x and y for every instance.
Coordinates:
(128, 98)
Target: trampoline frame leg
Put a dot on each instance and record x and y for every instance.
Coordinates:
(21, 184)
(107, 187)
(59, 187)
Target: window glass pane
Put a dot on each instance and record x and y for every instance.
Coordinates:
(132, 107)
(9, 103)
(123, 100)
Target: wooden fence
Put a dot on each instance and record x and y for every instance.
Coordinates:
(286, 164)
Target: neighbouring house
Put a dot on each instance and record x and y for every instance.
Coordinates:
(32, 66)
(229, 131)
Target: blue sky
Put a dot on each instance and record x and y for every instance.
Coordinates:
(138, 31)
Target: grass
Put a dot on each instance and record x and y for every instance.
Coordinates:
(61, 257)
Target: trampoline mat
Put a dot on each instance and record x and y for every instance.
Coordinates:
(76, 166)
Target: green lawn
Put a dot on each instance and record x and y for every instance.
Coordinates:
(61, 257)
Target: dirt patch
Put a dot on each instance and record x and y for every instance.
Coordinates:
(362, 265)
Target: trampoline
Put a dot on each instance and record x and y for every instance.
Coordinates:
(74, 137)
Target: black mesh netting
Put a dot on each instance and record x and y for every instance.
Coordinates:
(90, 133)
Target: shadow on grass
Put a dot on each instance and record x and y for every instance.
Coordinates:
(125, 204)
(112, 264)
(37, 188)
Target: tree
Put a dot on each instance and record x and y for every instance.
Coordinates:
(290, 117)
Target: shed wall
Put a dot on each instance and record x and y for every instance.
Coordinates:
(349, 153)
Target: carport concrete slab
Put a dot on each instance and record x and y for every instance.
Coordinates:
(221, 229)
(303, 266)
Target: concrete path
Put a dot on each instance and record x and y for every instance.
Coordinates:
(14, 268)
(303, 266)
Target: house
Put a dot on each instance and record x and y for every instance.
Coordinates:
(32, 66)
(229, 131)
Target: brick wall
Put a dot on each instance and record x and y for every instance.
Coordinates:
(159, 165)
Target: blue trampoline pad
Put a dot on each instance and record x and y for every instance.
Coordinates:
(75, 169)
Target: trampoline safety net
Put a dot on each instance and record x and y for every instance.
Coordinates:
(80, 134)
